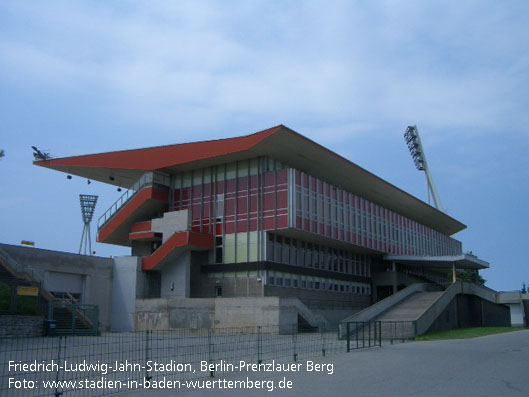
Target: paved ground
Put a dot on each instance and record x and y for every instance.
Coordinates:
(495, 365)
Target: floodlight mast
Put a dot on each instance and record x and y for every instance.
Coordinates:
(88, 205)
(419, 158)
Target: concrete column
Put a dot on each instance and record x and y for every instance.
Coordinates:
(394, 270)
(454, 274)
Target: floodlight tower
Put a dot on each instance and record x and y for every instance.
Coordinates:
(419, 158)
(88, 205)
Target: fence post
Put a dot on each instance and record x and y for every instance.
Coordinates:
(322, 341)
(148, 376)
(57, 392)
(349, 337)
(363, 323)
(259, 358)
(294, 341)
(210, 359)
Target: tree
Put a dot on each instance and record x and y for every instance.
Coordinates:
(471, 276)
(524, 288)
(2, 153)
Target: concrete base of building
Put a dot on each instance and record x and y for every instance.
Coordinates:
(283, 314)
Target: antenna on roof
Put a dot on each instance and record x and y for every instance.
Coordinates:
(419, 158)
(88, 205)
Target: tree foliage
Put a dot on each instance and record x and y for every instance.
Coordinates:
(471, 276)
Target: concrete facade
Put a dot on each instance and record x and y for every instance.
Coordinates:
(91, 276)
(125, 286)
(176, 276)
(275, 312)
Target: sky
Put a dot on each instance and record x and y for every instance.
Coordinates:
(88, 77)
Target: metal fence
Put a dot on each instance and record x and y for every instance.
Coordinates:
(74, 318)
(12, 302)
(116, 362)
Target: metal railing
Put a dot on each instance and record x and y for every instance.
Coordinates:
(15, 266)
(147, 179)
(360, 334)
(74, 319)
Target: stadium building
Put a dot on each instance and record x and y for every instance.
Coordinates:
(271, 214)
(269, 229)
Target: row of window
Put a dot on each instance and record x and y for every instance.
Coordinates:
(228, 171)
(325, 209)
(288, 280)
(292, 251)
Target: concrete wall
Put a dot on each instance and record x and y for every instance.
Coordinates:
(517, 314)
(471, 311)
(124, 288)
(495, 315)
(164, 314)
(251, 312)
(94, 272)
(21, 326)
(176, 277)
(174, 221)
(335, 315)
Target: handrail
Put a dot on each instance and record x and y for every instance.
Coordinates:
(17, 267)
(149, 178)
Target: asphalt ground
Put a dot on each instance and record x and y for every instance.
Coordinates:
(496, 365)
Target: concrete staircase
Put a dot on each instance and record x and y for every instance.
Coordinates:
(11, 269)
(411, 308)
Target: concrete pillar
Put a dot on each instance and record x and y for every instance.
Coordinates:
(394, 270)
(454, 274)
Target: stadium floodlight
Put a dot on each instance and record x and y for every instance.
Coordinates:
(88, 205)
(419, 159)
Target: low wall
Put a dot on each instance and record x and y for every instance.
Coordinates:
(21, 326)
(165, 314)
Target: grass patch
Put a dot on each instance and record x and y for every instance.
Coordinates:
(464, 333)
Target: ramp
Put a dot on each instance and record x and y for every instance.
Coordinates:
(415, 310)
(411, 308)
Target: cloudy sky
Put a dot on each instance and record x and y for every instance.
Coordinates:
(85, 77)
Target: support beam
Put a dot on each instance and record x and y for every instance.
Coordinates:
(454, 273)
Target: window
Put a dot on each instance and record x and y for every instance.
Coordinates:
(219, 207)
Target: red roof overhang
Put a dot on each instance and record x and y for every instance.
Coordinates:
(123, 168)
